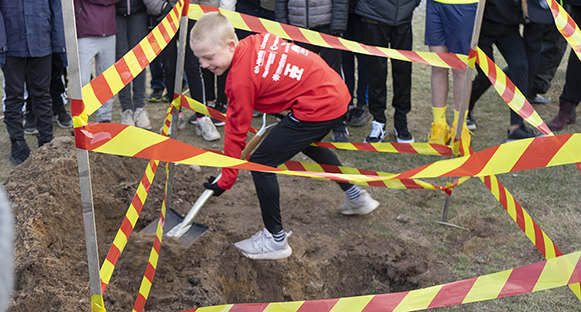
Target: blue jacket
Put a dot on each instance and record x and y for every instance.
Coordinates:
(31, 28)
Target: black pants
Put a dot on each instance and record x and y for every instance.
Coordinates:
(284, 141)
(58, 82)
(552, 50)
(395, 37)
(572, 90)
(36, 71)
(355, 28)
(511, 45)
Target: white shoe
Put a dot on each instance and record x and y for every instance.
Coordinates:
(127, 118)
(360, 206)
(206, 129)
(377, 133)
(141, 119)
(263, 246)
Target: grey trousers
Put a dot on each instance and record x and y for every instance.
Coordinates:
(130, 30)
(102, 50)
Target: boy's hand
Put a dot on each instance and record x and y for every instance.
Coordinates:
(213, 186)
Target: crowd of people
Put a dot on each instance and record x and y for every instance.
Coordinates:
(34, 62)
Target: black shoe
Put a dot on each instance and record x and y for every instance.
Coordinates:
(64, 120)
(539, 99)
(155, 96)
(340, 136)
(401, 131)
(358, 116)
(521, 133)
(470, 123)
(30, 127)
(19, 152)
(193, 119)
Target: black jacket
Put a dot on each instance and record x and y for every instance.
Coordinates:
(128, 7)
(391, 12)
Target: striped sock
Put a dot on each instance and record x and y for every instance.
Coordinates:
(353, 193)
(279, 237)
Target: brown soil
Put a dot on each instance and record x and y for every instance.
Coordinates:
(327, 262)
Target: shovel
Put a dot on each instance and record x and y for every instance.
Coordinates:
(185, 228)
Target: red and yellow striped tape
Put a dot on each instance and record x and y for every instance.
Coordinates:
(544, 275)
(566, 26)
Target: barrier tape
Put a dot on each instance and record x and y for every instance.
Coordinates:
(532, 230)
(116, 77)
(297, 166)
(255, 24)
(518, 155)
(147, 280)
(132, 214)
(566, 26)
(544, 275)
(510, 93)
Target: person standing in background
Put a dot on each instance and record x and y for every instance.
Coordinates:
(96, 36)
(32, 30)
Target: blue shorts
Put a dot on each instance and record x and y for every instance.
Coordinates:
(450, 25)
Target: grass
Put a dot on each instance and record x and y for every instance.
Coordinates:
(494, 243)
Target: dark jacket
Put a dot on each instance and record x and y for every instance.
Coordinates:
(390, 12)
(95, 18)
(505, 12)
(31, 28)
(129, 7)
(320, 13)
(540, 12)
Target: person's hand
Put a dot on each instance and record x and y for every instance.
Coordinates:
(213, 186)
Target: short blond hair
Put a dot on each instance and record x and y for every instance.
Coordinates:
(213, 26)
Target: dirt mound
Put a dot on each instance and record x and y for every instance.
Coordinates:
(51, 262)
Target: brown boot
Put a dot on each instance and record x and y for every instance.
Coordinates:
(567, 115)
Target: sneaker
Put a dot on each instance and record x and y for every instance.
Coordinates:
(263, 246)
(181, 122)
(521, 133)
(539, 99)
(127, 117)
(340, 136)
(377, 133)
(470, 123)
(19, 152)
(360, 206)
(401, 131)
(30, 127)
(466, 135)
(155, 96)
(206, 129)
(142, 119)
(63, 120)
(165, 98)
(359, 116)
(440, 134)
(256, 113)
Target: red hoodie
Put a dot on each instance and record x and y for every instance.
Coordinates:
(271, 75)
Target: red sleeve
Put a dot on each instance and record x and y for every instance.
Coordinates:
(241, 92)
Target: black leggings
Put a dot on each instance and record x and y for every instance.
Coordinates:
(284, 141)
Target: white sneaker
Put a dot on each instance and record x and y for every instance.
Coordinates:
(263, 246)
(377, 133)
(360, 206)
(127, 118)
(206, 129)
(141, 119)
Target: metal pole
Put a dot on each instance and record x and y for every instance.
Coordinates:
(181, 54)
(465, 94)
(75, 89)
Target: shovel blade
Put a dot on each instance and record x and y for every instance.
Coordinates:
(173, 218)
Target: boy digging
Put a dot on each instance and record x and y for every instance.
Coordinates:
(271, 75)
